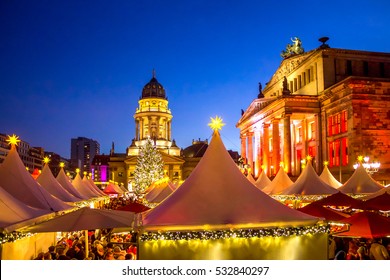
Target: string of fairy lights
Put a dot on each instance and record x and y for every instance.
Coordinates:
(235, 233)
(14, 236)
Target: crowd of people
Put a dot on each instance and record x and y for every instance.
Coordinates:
(72, 247)
(359, 249)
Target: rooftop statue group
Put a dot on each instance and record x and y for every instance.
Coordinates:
(294, 48)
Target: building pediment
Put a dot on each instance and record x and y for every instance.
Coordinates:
(287, 66)
(256, 106)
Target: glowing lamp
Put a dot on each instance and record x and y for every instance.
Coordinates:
(46, 160)
(77, 170)
(13, 140)
(216, 123)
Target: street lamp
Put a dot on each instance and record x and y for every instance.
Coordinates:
(370, 167)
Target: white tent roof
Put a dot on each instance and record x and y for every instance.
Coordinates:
(250, 178)
(83, 188)
(262, 181)
(329, 179)
(279, 183)
(49, 182)
(18, 182)
(309, 183)
(159, 192)
(67, 184)
(360, 183)
(93, 187)
(378, 193)
(13, 211)
(218, 196)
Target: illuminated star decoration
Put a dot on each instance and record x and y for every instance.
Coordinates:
(360, 158)
(13, 140)
(62, 164)
(46, 160)
(309, 158)
(77, 170)
(326, 163)
(216, 123)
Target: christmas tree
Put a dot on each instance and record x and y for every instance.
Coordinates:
(149, 167)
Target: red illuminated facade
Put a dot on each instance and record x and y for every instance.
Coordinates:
(331, 104)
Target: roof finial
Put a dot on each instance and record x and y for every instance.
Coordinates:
(154, 73)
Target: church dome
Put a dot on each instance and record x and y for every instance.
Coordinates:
(197, 149)
(153, 89)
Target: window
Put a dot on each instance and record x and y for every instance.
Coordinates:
(338, 152)
(311, 131)
(338, 123)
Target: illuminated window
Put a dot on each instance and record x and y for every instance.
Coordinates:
(338, 123)
(338, 152)
(311, 131)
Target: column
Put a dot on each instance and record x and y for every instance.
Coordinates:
(265, 148)
(257, 154)
(169, 130)
(136, 129)
(141, 128)
(287, 143)
(250, 151)
(275, 145)
(243, 146)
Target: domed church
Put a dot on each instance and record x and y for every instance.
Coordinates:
(153, 119)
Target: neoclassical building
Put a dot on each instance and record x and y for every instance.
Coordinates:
(153, 119)
(332, 104)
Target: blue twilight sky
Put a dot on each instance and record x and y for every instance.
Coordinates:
(77, 68)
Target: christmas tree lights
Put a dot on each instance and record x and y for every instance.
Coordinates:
(149, 167)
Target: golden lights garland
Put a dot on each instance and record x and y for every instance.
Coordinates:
(236, 233)
(13, 236)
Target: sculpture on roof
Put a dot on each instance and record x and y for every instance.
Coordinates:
(292, 49)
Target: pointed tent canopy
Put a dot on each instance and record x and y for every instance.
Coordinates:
(112, 189)
(309, 183)
(67, 184)
(16, 180)
(339, 199)
(250, 178)
(380, 202)
(323, 212)
(360, 183)
(279, 183)
(263, 181)
(386, 189)
(159, 192)
(329, 179)
(83, 188)
(92, 186)
(218, 196)
(49, 182)
(13, 211)
(366, 225)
